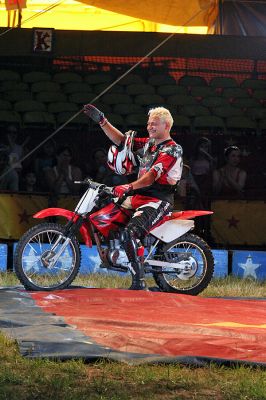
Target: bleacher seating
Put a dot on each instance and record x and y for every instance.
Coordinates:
(39, 119)
(195, 103)
(190, 81)
(36, 76)
(254, 84)
(42, 86)
(61, 106)
(209, 121)
(159, 80)
(223, 82)
(17, 95)
(149, 100)
(8, 75)
(98, 77)
(5, 105)
(101, 87)
(168, 90)
(131, 79)
(14, 85)
(136, 89)
(66, 77)
(50, 97)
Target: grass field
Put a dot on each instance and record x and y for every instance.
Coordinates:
(106, 380)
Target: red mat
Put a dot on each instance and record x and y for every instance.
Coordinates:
(164, 324)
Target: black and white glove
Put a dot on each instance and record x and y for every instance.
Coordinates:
(95, 114)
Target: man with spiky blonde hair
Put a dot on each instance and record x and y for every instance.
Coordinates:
(163, 113)
(160, 168)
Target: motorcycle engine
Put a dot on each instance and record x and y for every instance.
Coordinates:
(117, 254)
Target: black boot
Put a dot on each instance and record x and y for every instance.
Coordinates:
(138, 281)
(131, 248)
(138, 284)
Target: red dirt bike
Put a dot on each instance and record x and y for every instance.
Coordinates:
(48, 255)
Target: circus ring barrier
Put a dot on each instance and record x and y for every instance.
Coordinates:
(237, 227)
(234, 222)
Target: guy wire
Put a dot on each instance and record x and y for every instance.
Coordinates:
(101, 94)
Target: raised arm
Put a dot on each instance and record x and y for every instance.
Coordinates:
(98, 116)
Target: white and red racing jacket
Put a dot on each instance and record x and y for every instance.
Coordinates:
(166, 163)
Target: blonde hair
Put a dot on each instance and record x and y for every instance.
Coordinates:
(162, 113)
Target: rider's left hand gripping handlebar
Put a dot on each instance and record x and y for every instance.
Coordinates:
(122, 190)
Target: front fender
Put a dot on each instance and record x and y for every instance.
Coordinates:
(62, 212)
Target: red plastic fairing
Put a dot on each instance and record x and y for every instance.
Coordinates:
(189, 214)
(109, 218)
(62, 212)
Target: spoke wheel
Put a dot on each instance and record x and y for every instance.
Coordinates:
(45, 259)
(191, 266)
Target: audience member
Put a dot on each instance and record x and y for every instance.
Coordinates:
(60, 178)
(29, 182)
(202, 164)
(9, 178)
(188, 190)
(45, 160)
(230, 179)
(16, 150)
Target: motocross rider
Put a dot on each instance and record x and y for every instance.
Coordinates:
(151, 195)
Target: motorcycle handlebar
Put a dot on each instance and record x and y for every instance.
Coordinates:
(88, 182)
(95, 185)
(103, 189)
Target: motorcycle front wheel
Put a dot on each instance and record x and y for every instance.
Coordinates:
(45, 259)
(190, 267)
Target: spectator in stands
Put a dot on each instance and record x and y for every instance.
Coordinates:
(230, 179)
(61, 177)
(29, 182)
(188, 190)
(9, 178)
(46, 159)
(202, 164)
(15, 149)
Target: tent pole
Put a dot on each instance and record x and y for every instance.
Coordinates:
(220, 17)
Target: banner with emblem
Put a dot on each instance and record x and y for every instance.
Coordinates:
(16, 213)
(17, 210)
(239, 222)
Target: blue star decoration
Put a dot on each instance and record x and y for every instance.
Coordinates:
(249, 268)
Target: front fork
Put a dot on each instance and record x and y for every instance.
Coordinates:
(49, 259)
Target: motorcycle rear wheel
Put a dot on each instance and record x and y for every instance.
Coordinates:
(33, 261)
(199, 266)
